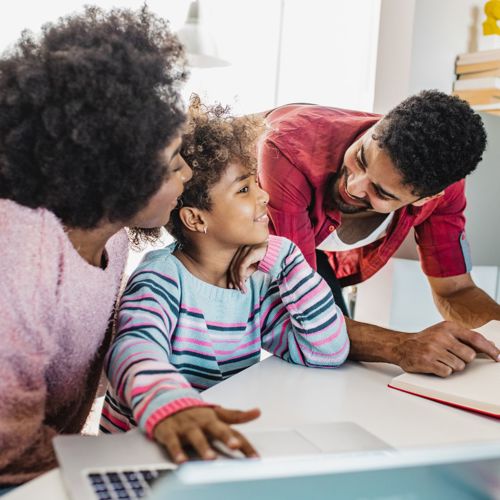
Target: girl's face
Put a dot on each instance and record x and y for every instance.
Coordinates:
(238, 215)
(157, 212)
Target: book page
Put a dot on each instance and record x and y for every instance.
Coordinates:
(477, 385)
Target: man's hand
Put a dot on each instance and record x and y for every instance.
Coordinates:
(245, 262)
(198, 426)
(442, 349)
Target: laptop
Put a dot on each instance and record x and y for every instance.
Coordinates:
(463, 472)
(126, 466)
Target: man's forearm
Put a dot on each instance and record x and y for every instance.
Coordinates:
(469, 307)
(440, 349)
(373, 343)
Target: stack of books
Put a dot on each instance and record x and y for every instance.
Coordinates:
(478, 79)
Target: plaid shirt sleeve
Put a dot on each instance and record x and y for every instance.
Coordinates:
(288, 201)
(442, 244)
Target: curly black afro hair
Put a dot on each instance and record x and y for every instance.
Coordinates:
(434, 140)
(212, 141)
(85, 110)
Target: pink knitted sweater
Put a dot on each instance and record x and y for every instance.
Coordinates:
(54, 315)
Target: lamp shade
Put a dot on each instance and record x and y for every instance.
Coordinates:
(199, 44)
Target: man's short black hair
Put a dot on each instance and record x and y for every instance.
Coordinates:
(433, 139)
(85, 111)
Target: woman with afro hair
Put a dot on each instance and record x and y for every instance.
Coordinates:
(90, 132)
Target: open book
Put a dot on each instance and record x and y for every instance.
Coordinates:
(477, 388)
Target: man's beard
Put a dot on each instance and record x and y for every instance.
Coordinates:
(338, 202)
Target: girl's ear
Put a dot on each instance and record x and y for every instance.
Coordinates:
(193, 219)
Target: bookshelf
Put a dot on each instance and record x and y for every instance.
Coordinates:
(492, 109)
(478, 80)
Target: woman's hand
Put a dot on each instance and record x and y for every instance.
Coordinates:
(245, 262)
(197, 426)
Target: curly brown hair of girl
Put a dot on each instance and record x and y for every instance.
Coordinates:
(214, 139)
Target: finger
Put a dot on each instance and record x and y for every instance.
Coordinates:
(247, 264)
(241, 268)
(462, 351)
(199, 442)
(230, 272)
(441, 369)
(233, 268)
(173, 446)
(236, 416)
(223, 433)
(246, 447)
(449, 359)
(479, 343)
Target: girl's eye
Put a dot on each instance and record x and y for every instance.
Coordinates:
(243, 190)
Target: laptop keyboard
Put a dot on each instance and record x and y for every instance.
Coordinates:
(125, 484)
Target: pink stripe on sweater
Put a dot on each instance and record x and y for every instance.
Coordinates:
(300, 267)
(326, 354)
(305, 300)
(142, 307)
(299, 350)
(169, 409)
(226, 325)
(192, 309)
(265, 313)
(282, 335)
(191, 340)
(272, 253)
(241, 347)
(142, 296)
(115, 421)
(152, 271)
(137, 391)
(331, 337)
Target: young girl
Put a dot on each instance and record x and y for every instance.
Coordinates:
(188, 321)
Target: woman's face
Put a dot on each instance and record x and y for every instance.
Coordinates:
(238, 215)
(157, 212)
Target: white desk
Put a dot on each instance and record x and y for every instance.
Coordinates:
(290, 395)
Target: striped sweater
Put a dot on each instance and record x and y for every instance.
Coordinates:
(178, 335)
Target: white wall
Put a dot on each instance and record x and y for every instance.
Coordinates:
(31, 14)
(327, 53)
(394, 59)
(440, 31)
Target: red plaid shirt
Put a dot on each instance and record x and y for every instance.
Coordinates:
(305, 146)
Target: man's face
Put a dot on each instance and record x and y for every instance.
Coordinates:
(369, 181)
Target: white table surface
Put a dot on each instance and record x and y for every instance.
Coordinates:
(289, 395)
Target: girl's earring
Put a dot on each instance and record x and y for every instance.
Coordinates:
(205, 229)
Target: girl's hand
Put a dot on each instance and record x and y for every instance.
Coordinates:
(197, 426)
(245, 262)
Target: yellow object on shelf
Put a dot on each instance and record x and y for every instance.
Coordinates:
(492, 11)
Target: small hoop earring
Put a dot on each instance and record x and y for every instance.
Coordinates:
(205, 229)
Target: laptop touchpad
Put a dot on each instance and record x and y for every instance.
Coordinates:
(330, 437)
(281, 442)
(341, 437)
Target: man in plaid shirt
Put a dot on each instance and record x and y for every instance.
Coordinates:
(347, 187)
